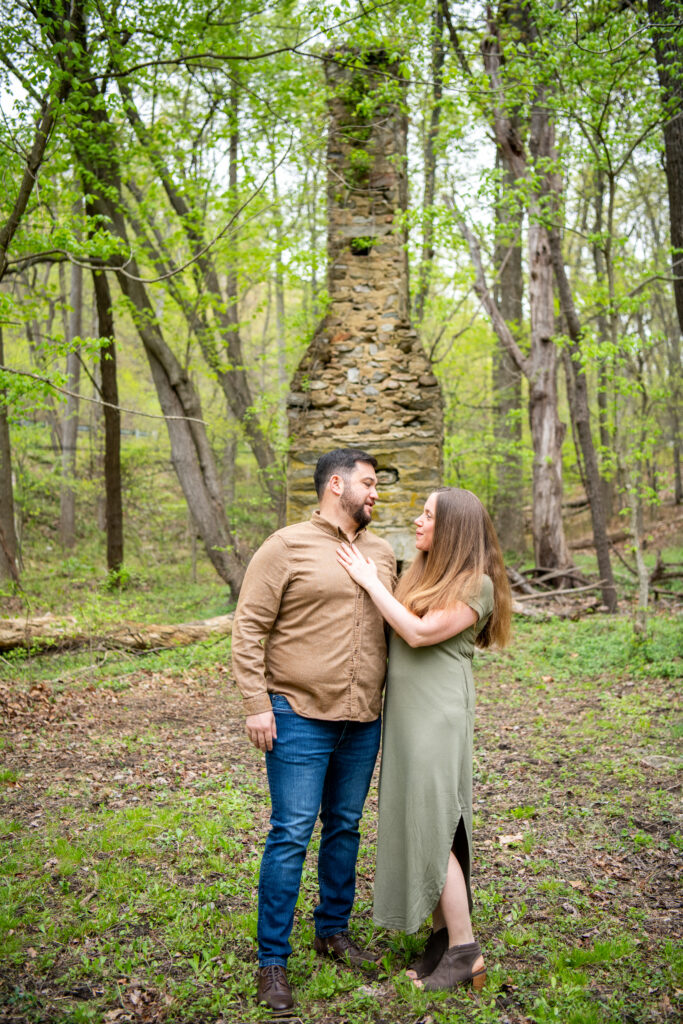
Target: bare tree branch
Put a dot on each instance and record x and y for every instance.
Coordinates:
(96, 401)
(484, 292)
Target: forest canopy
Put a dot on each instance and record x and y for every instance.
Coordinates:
(163, 260)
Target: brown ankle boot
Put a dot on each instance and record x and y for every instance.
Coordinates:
(437, 944)
(456, 968)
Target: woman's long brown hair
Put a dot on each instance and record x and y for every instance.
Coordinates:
(464, 547)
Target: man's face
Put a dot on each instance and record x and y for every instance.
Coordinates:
(360, 493)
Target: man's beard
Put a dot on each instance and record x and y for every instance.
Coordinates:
(358, 513)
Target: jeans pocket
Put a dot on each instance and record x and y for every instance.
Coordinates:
(280, 704)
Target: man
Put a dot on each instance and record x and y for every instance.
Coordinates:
(309, 657)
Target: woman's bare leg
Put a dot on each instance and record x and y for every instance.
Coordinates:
(452, 911)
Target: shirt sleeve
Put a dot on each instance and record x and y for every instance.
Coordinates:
(264, 583)
(482, 603)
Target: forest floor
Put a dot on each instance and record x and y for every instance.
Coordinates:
(133, 813)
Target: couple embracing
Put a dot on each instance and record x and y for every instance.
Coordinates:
(310, 659)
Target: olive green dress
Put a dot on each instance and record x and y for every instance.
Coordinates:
(425, 790)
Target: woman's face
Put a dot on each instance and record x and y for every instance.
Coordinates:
(425, 525)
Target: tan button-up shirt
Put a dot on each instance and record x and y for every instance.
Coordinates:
(305, 630)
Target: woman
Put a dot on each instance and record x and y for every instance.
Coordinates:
(454, 595)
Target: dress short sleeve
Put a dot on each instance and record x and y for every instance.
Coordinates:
(482, 603)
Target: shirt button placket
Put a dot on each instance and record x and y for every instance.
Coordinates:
(357, 613)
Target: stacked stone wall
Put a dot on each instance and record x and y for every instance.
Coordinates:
(365, 380)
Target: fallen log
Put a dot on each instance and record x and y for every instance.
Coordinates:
(48, 633)
(518, 581)
(615, 537)
(569, 572)
(548, 595)
(531, 613)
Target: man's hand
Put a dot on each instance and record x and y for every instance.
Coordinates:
(261, 730)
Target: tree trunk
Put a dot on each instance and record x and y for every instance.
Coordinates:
(45, 123)
(581, 417)
(234, 381)
(314, 311)
(280, 339)
(9, 569)
(572, 403)
(112, 424)
(508, 507)
(635, 505)
(69, 432)
(191, 452)
(33, 333)
(540, 370)
(666, 36)
(550, 546)
(228, 464)
(427, 255)
(604, 335)
(48, 634)
(540, 367)
(547, 432)
(578, 390)
(673, 353)
(279, 281)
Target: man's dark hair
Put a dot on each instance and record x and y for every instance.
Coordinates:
(340, 460)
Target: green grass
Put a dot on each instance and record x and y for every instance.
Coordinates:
(132, 821)
(93, 605)
(596, 647)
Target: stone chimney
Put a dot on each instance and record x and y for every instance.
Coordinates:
(365, 380)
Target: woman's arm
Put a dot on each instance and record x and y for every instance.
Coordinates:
(432, 628)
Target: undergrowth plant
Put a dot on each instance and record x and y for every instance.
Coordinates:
(133, 814)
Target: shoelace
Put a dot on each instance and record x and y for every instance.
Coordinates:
(271, 972)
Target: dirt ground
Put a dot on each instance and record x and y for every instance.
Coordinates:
(537, 771)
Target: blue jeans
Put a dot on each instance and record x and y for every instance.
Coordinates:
(314, 766)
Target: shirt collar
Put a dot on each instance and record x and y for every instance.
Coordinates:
(335, 531)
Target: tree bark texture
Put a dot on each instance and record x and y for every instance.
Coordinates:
(578, 393)
(33, 335)
(50, 634)
(638, 531)
(508, 508)
(665, 22)
(432, 134)
(69, 431)
(112, 423)
(540, 367)
(604, 335)
(547, 432)
(9, 569)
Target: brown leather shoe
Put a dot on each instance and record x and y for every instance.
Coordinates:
(273, 988)
(340, 947)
